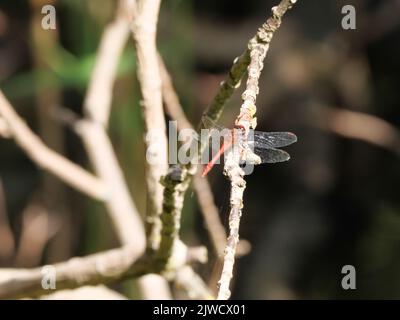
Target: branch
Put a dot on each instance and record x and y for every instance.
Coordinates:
(47, 159)
(192, 284)
(99, 95)
(100, 268)
(178, 178)
(240, 64)
(84, 271)
(214, 226)
(174, 109)
(99, 292)
(4, 131)
(144, 32)
(361, 126)
(97, 106)
(122, 210)
(240, 152)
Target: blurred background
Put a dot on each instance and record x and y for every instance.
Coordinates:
(335, 203)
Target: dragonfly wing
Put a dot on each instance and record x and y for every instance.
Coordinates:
(271, 155)
(272, 139)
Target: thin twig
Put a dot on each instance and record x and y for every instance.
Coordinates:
(361, 126)
(239, 152)
(210, 212)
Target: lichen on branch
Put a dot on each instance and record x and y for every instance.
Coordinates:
(258, 48)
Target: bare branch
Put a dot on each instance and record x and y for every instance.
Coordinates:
(210, 212)
(97, 106)
(241, 63)
(201, 186)
(361, 126)
(122, 210)
(98, 99)
(192, 284)
(178, 179)
(46, 158)
(4, 131)
(100, 268)
(99, 292)
(120, 206)
(258, 50)
(154, 287)
(144, 32)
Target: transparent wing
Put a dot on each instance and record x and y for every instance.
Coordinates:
(272, 139)
(216, 133)
(271, 155)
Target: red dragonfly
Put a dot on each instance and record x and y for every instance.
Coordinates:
(263, 144)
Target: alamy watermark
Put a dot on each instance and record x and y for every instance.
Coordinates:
(49, 19)
(349, 280)
(349, 18)
(49, 277)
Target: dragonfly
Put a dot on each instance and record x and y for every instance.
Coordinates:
(264, 144)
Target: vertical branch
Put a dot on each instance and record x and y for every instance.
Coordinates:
(210, 212)
(98, 98)
(120, 207)
(144, 31)
(258, 50)
(201, 186)
(97, 106)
